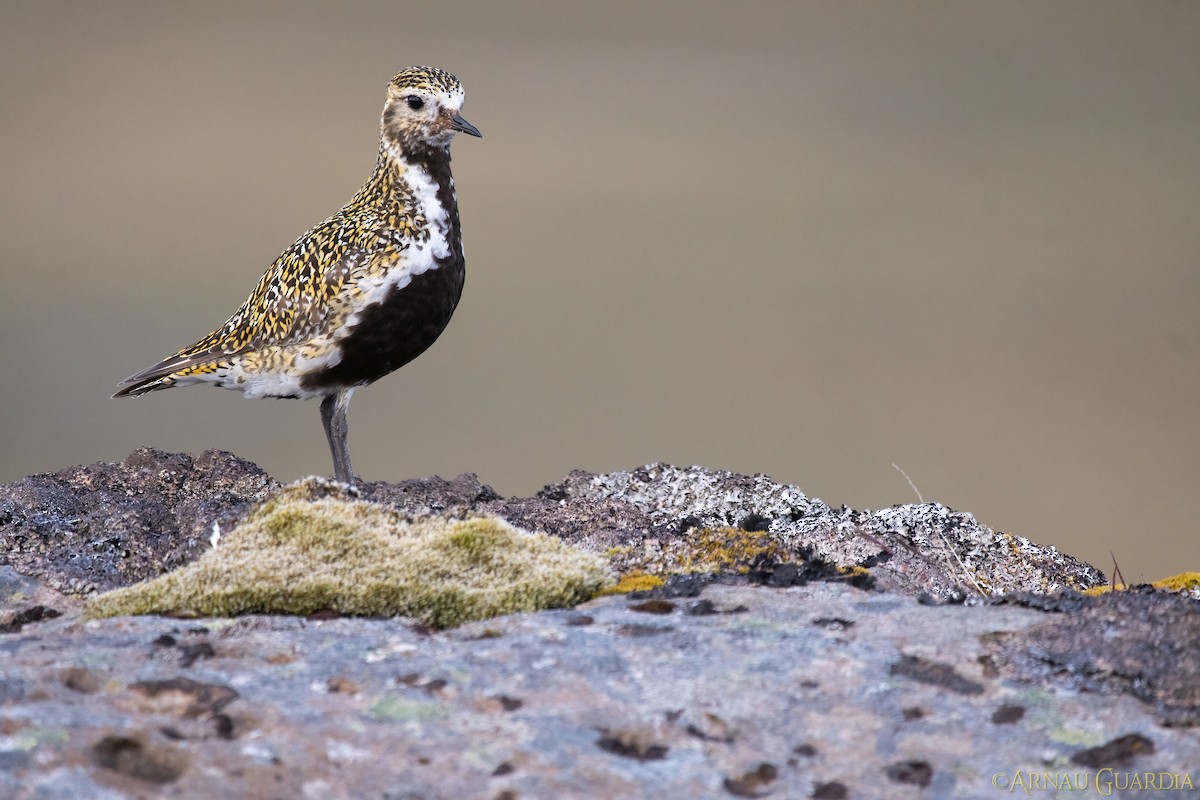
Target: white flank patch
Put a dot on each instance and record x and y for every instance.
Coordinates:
(278, 384)
(259, 384)
(216, 534)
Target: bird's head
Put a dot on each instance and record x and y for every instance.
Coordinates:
(422, 111)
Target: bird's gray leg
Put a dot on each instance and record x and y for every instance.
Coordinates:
(337, 430)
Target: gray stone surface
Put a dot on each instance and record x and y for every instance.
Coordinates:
(764, 692)
(816, 658)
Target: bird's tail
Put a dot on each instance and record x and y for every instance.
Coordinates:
(164, 374)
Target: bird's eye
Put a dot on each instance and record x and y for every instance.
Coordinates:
(414, 102)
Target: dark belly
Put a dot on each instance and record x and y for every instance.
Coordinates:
(393, 332)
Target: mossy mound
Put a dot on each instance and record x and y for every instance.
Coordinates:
(296, 555)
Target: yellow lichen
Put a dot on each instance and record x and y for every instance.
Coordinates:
(298, 555)
(1183, 582)
(636, 581)
(725, 549)
(699, 551)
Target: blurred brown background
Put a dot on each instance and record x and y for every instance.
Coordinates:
(807, 239)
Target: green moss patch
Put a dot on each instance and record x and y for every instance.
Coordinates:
(296, 555)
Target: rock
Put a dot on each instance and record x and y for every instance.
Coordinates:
(1141, 642)
(106, 525)
(770, 646)
(926, 548)
(607, 700)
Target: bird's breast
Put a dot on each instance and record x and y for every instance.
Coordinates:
(408, 292)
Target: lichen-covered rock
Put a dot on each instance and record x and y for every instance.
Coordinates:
(108, 525)
(1106, 644)
(742, 691)
(703, 681)
(301, 552)
(95, 527)
(916, 549)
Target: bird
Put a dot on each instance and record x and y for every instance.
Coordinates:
(359, 295)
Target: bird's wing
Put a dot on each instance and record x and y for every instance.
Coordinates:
(294, 297)
(290, 304)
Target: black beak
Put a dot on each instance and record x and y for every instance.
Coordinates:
(457, 123)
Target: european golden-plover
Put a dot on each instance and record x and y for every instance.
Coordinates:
(361, 294)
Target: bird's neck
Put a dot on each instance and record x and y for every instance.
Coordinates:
(395, 166)
(393, 156)
(419, 181)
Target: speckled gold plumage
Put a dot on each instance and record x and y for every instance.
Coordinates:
(363, 292)
(298, 307)
(303, 299)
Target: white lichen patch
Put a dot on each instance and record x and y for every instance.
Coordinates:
(928, 546)
(664, 492)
